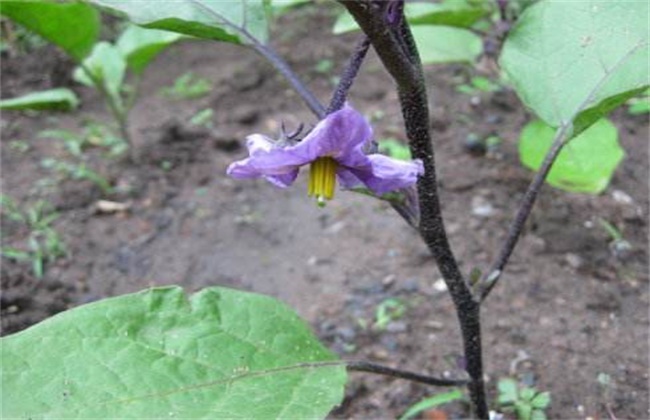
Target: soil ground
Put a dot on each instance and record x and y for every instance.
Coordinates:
(567, 310)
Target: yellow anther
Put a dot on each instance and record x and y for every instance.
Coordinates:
(322, 179)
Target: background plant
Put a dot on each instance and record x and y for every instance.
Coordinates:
(40, 242)
(75, 27)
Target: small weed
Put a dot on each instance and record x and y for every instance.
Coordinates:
(618, 244)
(394, 148)
(432, 402)
(166, 165)
(20, 146)
(477, 85)
(324, 66)
(203, 118)
(42, 244)
(387, 311)
(77, 171)
(187, 86)
(526, 402)
(94, 135)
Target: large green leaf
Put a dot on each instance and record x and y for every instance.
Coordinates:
(73, 26)
(242, 22)
(219, 353)
(585, 164)
(105, 67)
(572, 62)
(444, 44)
(139, 45)
(461, 13)
(56, 99)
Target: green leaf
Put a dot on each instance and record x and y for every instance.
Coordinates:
(219, 353)
(444, 44)
(55, 99)
(508, 391)
(524, 410)
(432, 402)
(394, 148)
(585, 164)
(139, 45)
(461, 13)
(541, 400)
(73, 26)
(15, 254)
(538, 415)
(241, 22)
(105, 67)
(576, 61)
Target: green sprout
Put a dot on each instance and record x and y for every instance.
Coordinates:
(526, 402)
(388, 311)
(187, 86)
(43, 244)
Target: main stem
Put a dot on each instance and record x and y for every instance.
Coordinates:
(396, 49)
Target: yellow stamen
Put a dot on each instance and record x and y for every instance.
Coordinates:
(322, 179)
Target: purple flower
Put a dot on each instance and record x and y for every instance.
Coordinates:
(335, 150)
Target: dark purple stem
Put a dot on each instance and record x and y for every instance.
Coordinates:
(348, 76)
(402, 374)
(492, 276)
(398, 53)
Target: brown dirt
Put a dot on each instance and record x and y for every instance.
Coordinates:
(567, 303)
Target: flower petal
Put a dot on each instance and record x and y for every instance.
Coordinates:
(284, 180)
(336, 135)
(388, 174)
(265, 159)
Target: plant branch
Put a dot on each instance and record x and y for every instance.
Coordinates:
(269, 53)
(398, 53)
(350, 72)
(492, 276)
(563, 134)
(280, 65)
(360, 366)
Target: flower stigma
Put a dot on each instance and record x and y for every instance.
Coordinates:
(322, 179)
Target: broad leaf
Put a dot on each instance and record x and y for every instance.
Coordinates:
(73, 26)
(219, 353)
(585, 164)
(461, 13)
(105, 67)
(139, 45)
(56, 99)
(576, 61)
(240, 22)
(444, 44)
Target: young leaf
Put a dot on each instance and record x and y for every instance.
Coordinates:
(508, 391)
(541, 400)
(587, 162)
(444, 44)
(432, 402)
(242, 22)
(219, 353)
(576, 61)
(107, 67)
(139, 45)
(55, 99)
(73, 26)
